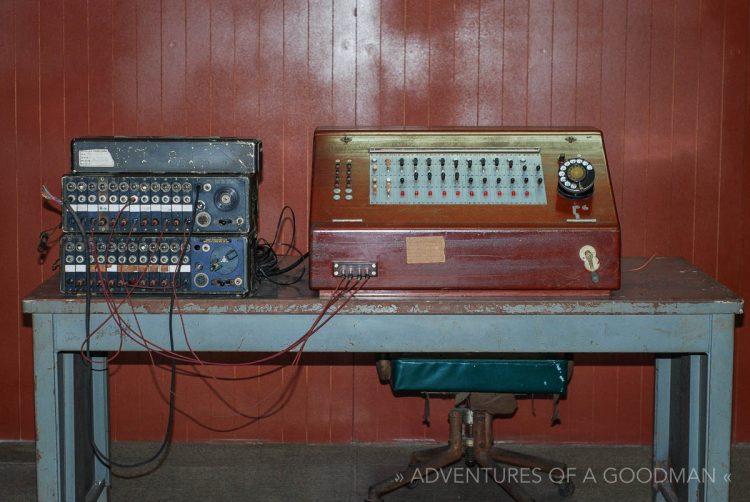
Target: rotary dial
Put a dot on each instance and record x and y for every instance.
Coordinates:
(575, 179)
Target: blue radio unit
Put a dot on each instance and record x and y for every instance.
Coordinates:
(145, 264)
(160, 204)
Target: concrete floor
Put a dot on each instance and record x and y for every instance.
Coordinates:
(274, 472)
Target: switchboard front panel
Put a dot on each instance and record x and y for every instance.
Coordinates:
(463, 209)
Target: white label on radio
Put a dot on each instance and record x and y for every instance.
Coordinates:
(70, 268)
(96, 157)
(146, 207)
(183, 268)
(112, 268)
(92, 208)
(134, 208)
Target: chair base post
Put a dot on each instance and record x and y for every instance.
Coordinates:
(482, 452)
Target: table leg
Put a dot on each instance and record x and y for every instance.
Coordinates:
(662, 408)
(46, 393)
(718, 426)
(100, 418)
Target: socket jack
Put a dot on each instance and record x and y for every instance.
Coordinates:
(355, 269)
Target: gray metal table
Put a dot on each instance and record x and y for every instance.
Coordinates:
(670, 309)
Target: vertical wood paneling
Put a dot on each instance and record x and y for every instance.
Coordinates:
(539, 86)
(27, 182)
(54, 151)
(515, 62)
(564, 34)
(708, 132)
(148, 67)
(173, 67)
(392, 56)
(10, 420)
(442, 104)
(466, 77)
(417, 62)
(296, 136)
(667, 82)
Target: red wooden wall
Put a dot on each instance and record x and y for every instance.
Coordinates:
(667, 81)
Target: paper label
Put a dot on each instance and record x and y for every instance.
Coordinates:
(425, 249)
(96, 157)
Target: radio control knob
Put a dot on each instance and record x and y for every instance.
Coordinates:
(442, 176)
(456, 176)
(429, 176)
(512, 180)
(416, 175)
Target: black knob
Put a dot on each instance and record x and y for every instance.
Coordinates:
(524, 167)
(402, 181)
(442, 161)
(498, 181)
(496, 161)
(442, 176)
(484, 181)
(456, 176)
(416, 175)
(401, 162)
(429, 176)
(510, 164)
(512, 180)
(429, 161)
(526, 180)
(468, 163)
(415, 161)
(455, 163)
(481, 161)
(539, 181)
(471, 180)
(538, 168)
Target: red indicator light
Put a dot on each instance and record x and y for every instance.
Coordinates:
(402, 193)
(526, 193)
(416, 193)
(485, 193)
(471, 193)
(445, 193)
(429, 194)
(513, 193)
(499, 193)
(458, 194)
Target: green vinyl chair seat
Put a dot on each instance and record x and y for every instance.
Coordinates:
(514, 376)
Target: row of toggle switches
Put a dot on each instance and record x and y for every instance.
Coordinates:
(473, 180)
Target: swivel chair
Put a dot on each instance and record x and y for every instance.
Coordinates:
(484, 388)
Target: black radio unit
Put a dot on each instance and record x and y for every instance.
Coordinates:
(154, 264)
(166, 155)
(160, 204)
